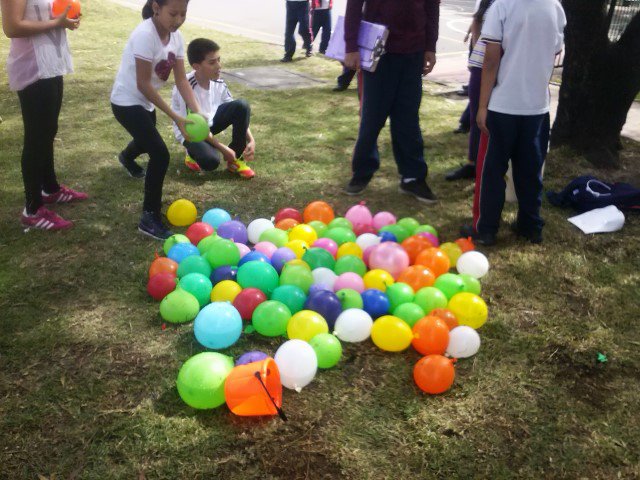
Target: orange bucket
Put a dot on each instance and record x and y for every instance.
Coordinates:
(254, 389)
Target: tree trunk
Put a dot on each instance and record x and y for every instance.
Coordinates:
(600, 80)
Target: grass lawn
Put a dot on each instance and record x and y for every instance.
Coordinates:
(87, 377)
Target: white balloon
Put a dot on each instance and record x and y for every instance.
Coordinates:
(367, 240)
(297, 363)
(325, 276)
(256, 228)
(473, 263)
(464, 342)
(353, 325)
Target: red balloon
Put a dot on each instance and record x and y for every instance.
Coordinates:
(247, 301)
(288, 212)
(161, 285)
(197, 231)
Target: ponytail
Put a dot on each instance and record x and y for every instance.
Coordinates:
(147, 10)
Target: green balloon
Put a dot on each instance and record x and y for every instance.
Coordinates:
(328, 349)
(471, 284)
(409, 312)
(197, 285)
(429, 298)
(222, 252)
(340, 222)
(398, 231)
(319, 227)
(340, 235)
(349, 298)
(260, 275)
(174, 240)
(425, 228)
(179, 307)
(291, 296)
(206, 243)
(201, 379)
(198, 129)
(449, 284)
(270, 318)
(276, 236)
(409, 224)
(399, 293)
(319, 257)
(350, 263)
(297, 275)
(194, 264)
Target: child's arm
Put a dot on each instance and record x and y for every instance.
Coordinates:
(14, 24)
(183, 86)
(490, 67)
(250, 150)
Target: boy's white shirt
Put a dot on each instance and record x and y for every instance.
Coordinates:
(208, 99)
(530, 33)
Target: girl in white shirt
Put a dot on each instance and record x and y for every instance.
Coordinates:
(154, 49)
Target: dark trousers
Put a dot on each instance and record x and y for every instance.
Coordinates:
(141, 125)
(297, 13)
(40, 103)
(236, 113)
(321, 19)
(465, 118)
(393, 91)
(345, 78)
(474, 100)
(524, 140)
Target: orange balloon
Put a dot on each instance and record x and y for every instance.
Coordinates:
(318, 210)
(434, 373)
(417, 277)
(287, 223)
(163, 265)
(414, 244)
(430, 336)
(446, 315)
(435, 260)
(59, 6)
(465, 244)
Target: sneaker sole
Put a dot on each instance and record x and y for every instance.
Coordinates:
(353, 194)
(421, 199)
(144, 232)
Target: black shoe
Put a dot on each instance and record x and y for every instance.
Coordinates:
(286, 59)
(535, 238)
(309, 52)
(340, 88)
(356, 186)
(419, 189)
(133, 169)
(468, 170)
(486, 239)
(151, 225)
(322, 52)
(462, 129)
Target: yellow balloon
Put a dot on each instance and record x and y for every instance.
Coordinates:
(349, 248)
(225, 291)
(391, 334)
(298, 247)
(451, 250)
(306, 324)
(297, 261)
(182, 213)
(303, 232)
(378, 279)
(469, 309)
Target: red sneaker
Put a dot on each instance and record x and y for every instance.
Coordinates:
(45, 220)
(64, 195)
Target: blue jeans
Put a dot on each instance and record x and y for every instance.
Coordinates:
(297, 13)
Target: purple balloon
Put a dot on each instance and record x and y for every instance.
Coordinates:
(233, 230)
(224, 273)
(250, 357)
(318, 287)
(327, 304)
(282, 256)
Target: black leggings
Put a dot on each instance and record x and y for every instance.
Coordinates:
(141, 125)
(40, 103)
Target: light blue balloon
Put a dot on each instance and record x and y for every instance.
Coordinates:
(218, 325)
(180, 251)
(216, 217)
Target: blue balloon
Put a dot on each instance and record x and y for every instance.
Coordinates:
(281, 256)
(254, 257)
(327, 304)
(216, 217)
(250, 357)
(180, 251)
(387, 237)
(218, 325)
(225, 272)
(375, 302)
(318, 287)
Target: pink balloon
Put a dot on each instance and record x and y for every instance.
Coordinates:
(382, 219)
(265, 247)
(349, 280)
(431, 237)
(328, 244)
(359, 229)
(389, 256)
(367, 253)
(359, 215)
(243, 249)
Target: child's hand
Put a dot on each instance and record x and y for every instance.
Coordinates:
(182, 122)
(481, 120)
(249, 151)
(70, 23)
(227, 153)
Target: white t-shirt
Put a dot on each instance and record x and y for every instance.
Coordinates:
(208, 99)
(145, 44)
(530, 33)
(45, 55)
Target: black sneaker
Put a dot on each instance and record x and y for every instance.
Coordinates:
(151, 225)
(309, 52)
(486, 239)
(133, 169)
(340, 88)
(356, 186)
(419, 189)
(462, 129)
(286, 59)
(535, 238)
(466, 171)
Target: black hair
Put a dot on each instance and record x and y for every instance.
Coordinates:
(482, 9)
(147, 10)
(199, 48)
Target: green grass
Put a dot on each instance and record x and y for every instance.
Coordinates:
(87, 374)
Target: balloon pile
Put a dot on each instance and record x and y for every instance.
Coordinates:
(317, 280)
